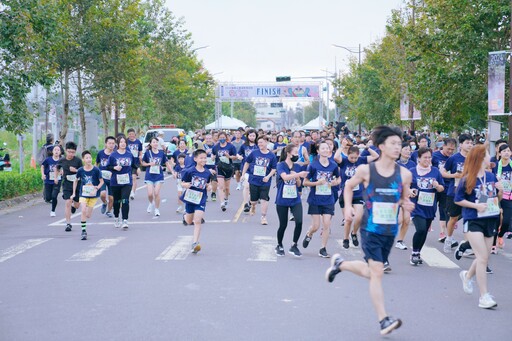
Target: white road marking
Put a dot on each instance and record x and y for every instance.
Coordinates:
(507, 255)
(154, 221)
(178, 250)
(262, 249)
(21, 247)
(433, 257)
(95, 250)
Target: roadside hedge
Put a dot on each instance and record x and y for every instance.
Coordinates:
(13, 184)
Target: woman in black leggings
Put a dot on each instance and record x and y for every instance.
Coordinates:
(289, 179)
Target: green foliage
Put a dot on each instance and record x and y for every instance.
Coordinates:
(13, 184)
(244, 111)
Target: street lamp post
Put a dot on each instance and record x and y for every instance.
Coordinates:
(199, 48)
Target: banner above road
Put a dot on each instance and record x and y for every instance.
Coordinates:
(243, 92)
(496, 83)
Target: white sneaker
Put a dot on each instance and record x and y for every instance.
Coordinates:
(467, 284)
(125, 224)
(117, 223)
(179, 209)
(150, 207)
(52, 214)
(486, 301)
(132, 195)
(157, 212)
(447, 247)
(400, 245)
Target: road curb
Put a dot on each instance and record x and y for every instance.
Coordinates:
(21, 202)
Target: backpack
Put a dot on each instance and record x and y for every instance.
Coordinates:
(42, 154)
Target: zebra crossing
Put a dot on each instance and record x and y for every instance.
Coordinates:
(261, 249)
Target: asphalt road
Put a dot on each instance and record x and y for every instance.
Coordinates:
(143, 284)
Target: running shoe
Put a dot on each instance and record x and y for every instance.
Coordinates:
(202, 221)
(184, 221)
(454, 243)
(334, 269)
(294, 250)
(387, 268)
(323, 253)
(239, 186)
(73, 209)
(253, 210)
(214, 196)
(264, 220)
(459, 251)
(306, 241)
(415, 259)
(223, 206)
(117, 223)
(494, 251)
(150, 207)
(103, 208)
(132, 195)
(467, 284)
(442, 240)
(292, 218)
(157, 212)
(509, 236)
(125, 224)
(488, 270)
(355, 242)
(247, 208)
(486, 301)
(400, 245)
(447, 247)
(195, 248)
(420, 260)
(501, 243)
(279, 251)
(109, 214)
(388, 324)
(442, 237)
(343, 223)
(179, 209)
(68, 227)
(84, 235)
(52, 214)
(346, 244)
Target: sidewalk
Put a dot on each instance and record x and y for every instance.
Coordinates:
(19, 203)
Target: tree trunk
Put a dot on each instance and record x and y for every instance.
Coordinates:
(81, 110)
(105, 113)
(65, 104)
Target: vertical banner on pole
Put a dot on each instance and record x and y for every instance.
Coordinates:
(404, 109)
(496, 83)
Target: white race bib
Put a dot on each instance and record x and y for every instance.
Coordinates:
(259, 170)
(123, 179)
(324, 189)
(426, 199)
(507, 189)
(105, 174)
(154, 169)
(52, 176)
(88, 191)
(224, 159)
(289, 191)
(135, 153)
(493, 208)
(193, 196)
(71, 177)
(456, 182)
(385, 213)
(210, 161)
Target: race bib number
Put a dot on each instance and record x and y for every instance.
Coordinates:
(105, 174)
(426, 199)
(224, 159)
(123, 179)
(193, 196)
(52, 176)
(154, 169)
(493, 208)
(456, 182)
(385, 213)
(507, 189)
(289, 191)
(210, 161)
(323, 189)
(88, 191)
(260, 171)
(71, 177)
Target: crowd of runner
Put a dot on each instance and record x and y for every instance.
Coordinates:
(381, 180)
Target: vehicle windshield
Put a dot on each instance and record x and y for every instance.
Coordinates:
(168, 135)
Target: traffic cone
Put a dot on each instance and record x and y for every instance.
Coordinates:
(32, 162)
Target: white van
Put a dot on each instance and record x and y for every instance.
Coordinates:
(169, 131)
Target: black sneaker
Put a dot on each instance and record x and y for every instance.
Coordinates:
(84, 235)
(73, 209)
(247, 208)
(441, 240)
(334, 269)
(214, 196)
(455, 243)
(184, 221)
(489, 271)
(388, 324)
(415, 259)
(279, 251)
(346, 244)
(355, 242)
(202, 221)
(459, 251)
(509, 236)
(306, 241)
(294, 250)
(387, 268)
(68, 227)
(323, 253)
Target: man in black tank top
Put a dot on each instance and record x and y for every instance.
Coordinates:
(387, 186)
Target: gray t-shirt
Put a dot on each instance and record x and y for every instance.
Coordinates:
(237, 145)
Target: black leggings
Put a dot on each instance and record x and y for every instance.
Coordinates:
(282, 213)
(121, 194)
(420, 236)
(51, 192)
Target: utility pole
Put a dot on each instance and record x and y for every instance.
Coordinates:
(510, 87)
(411, 106)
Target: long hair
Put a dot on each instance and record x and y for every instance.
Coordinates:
(284, 152)
(472, 166)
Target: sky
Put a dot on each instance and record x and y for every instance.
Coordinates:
(258, 40)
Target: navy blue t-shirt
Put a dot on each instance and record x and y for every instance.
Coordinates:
(347, 171)
(408, 165)
(426, 200)
(88, 179)
(154, 173)
(483, 192)
(505, 177)
(101, 163)
(324, 194)
(365, 152)
(124, 176)
(222, 153)
(438, 161)
(287, 191)
(260, 165)
(50, 165)
(454, 164)
(134, 147)
(199, 182)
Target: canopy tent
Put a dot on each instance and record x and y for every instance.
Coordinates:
(315, 124)
(226, 122)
